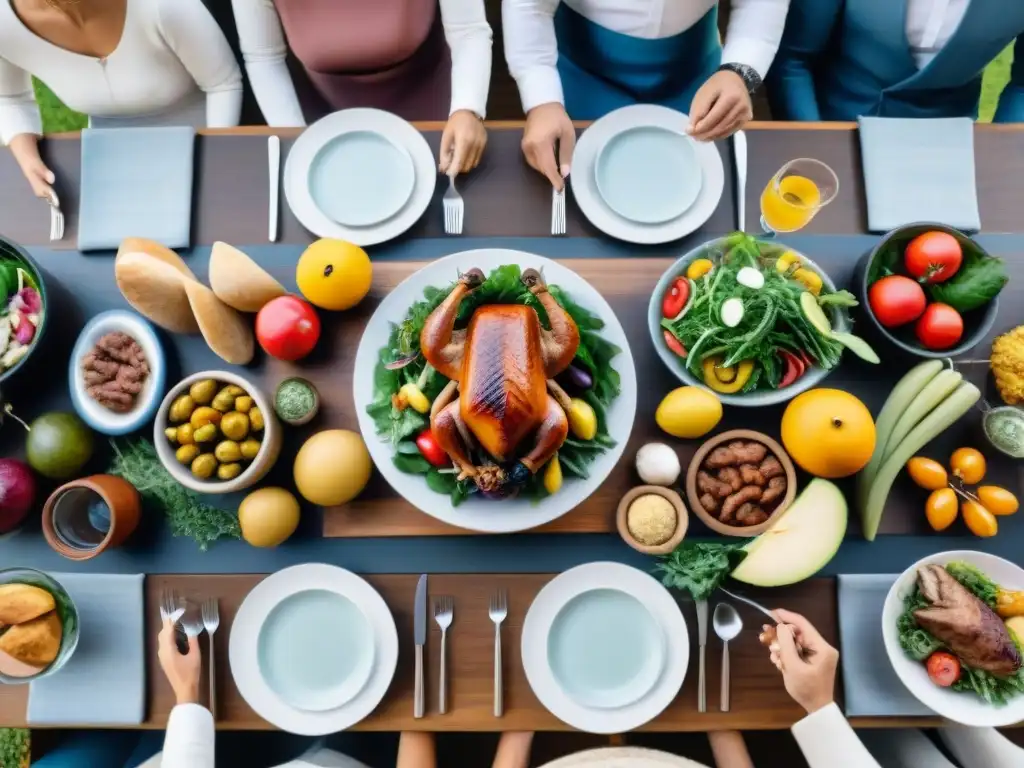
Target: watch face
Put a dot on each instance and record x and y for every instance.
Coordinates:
(749, 75)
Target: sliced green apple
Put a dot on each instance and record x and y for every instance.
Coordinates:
(801, 542)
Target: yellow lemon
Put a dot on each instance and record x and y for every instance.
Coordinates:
(332, 467)
(334, 274)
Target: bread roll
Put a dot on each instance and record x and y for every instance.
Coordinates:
(239, 281)
(23, 602)
(35, 642)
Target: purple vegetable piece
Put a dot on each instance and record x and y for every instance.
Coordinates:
(576, 379)
(402, 362)
(27, 300)
(25, 331)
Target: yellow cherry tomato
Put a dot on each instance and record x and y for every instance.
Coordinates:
(968, 464)
(927, 473)
(940, 509)
(996, 500)
(979, 520)
(698, 268)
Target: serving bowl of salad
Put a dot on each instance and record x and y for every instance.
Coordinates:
(953, 625)
(23, 308)
(752, 320)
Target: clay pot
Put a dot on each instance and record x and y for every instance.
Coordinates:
(88, 516)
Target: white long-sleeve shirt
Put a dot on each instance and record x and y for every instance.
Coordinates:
(169, 51)
(930, 24)
(264, 50)
(755, 29)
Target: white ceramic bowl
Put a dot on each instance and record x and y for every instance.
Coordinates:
(91, 412)
(257, 468)
(964, 708)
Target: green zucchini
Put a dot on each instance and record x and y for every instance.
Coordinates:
(936, 391)
(872, 504)
(902, 394)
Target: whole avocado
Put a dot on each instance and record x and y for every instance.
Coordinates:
(58, 445)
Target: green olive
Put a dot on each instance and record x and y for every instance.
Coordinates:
(235, 425)
(227, 451)
(243, 404)
(256, 418)
(204, 465)
(224, 401)
(203, 391)
(185, 432)
(228, 471)
(250, 448)
(172, 434)
(234, 390)
(205, 433)
(205, 415)
(181, 409)
(186, 454)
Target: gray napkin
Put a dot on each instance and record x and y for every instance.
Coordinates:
(136, 182)
(104, 682)
(919, 170)
(870, 685)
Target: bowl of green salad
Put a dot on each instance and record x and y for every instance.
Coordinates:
(752, 320)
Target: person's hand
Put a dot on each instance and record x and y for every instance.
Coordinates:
(183, 670)
(25, 148)
(546, 126)
(462, 143)
(720, 107)
(808, 664)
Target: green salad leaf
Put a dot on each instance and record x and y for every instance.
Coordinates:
(978, 281)
(699, 567)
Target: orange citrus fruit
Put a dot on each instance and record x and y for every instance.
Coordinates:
(334, 274)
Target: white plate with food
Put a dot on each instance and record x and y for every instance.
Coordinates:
(396, 169)
(948, 645)
(508, 352)
(709, 177)
(631, 646)
(344, 641)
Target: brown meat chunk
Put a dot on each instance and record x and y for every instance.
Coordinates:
(776, 488)
(115, 371)
(712, 485)
(731, 476)
(751, 475)
(771, 467)
(750, 514)
(709, 502)
(735, 453)
(730, 506)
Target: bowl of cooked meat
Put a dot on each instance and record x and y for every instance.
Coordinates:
(739, 482)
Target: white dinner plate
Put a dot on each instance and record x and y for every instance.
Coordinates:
(648, 174)
(583, 178)
(248, 627)
(476, 513)
(963, 708)
(543, 618)
(391, 128)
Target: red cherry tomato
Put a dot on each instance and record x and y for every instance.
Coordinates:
(430, 449)
(896, 300)
(673, 343)
(287, 328)
(933, 257)
(940, 327)
(676, 296)
(943, 668)
(795, 368)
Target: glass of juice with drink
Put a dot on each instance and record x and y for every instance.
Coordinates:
(798, 191)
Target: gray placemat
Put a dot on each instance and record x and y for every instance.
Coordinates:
(104, 683)
(919, 170)
(870, 686)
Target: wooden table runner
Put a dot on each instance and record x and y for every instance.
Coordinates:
(759, 700)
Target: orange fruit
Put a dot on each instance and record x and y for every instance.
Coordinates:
(828, 432)
(968, 464)
(979, 520)
(927, 473)
(941, 508)
(996, 500)
(334, 274)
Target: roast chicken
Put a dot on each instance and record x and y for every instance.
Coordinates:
(501, 392)
(968, 627)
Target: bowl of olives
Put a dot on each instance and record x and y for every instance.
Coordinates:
(215, 432)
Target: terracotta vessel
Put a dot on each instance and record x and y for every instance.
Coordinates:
(90, 515)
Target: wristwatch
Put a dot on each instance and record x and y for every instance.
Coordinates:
(749, 75)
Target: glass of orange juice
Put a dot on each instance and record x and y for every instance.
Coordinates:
(795, 193)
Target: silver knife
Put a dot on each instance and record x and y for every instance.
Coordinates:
(739, 148)
(420, 636)
(274, 168)
(702, 644)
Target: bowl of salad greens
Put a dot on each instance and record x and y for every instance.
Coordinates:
(23, 307)
(953, 625)
(752, 320)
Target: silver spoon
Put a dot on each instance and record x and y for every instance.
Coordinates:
(728, 624)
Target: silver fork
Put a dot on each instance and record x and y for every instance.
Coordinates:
(444, 613)
(192, 621)
(170, 608)
(56, 218)
(211, 621)
(557, 211)
(453, 209)
(498, 612)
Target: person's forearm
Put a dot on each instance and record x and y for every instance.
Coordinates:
(755, 30)
(828, 741)
(514, 750)
(981, 747)
(188, 742)
(729, 749)
(224, 108)
(275, 93)
(531, 50)
(416, 750)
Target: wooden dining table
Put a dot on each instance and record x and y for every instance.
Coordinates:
(507, 204)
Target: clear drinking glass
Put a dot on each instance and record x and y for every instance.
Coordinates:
(795, 194)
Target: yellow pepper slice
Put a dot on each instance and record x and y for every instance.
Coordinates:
(411, 396)
(698, 268)
(787, 260)
(553, 476)
(730, 380)
(810, 279)
(582, 419)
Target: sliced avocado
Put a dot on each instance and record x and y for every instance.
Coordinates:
(815, 314)
(858, 346)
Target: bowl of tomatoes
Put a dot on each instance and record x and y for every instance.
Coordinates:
(931, 290)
